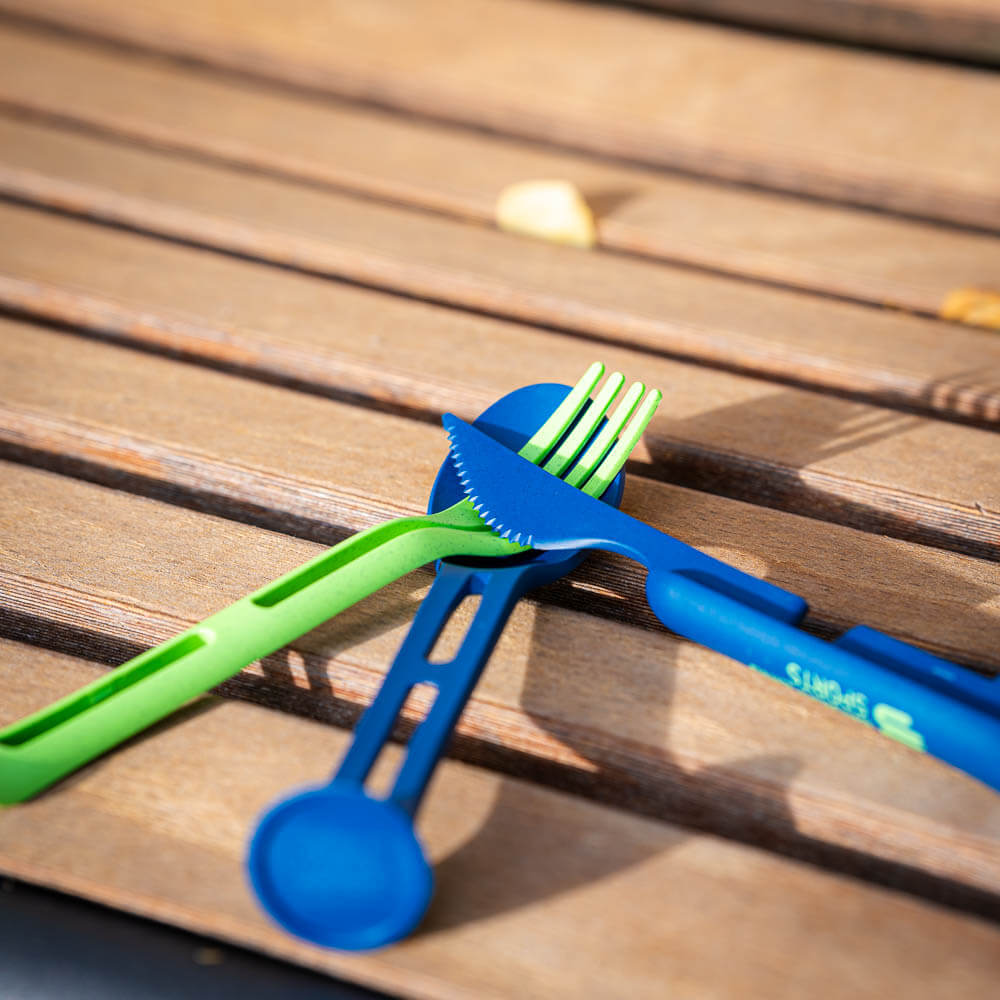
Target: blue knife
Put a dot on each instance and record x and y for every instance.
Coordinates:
(923, 701)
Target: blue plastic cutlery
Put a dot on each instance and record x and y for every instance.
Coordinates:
(339, 867)
(921, 700)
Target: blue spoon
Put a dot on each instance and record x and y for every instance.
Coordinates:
(337, 867)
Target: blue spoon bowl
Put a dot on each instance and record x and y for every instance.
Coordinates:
(340, 868)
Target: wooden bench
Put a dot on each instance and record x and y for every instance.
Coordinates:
(248, 259)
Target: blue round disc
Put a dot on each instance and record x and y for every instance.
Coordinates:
(339, 869)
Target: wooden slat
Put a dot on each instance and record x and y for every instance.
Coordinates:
(888, 356)
(284, 455)
(538, 894)
(642, 719)
(643, 723)
(967, 29)
(830, 249)
(287, 455)
(820, 120)
(840, 461)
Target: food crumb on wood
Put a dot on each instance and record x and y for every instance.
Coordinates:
(974, 306)
(552, 210)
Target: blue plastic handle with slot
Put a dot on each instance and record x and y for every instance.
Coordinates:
(921, 700)
(366, 882)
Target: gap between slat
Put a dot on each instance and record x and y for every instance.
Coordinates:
(302, 465)
(514, 863)
(731, 325)
(342, 147)
(861, 501)
(815, 131)
(622, 779)
(612, 238)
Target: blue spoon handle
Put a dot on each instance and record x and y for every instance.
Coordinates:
(454, 680)
(921, 700)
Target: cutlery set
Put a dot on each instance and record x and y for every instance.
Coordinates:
(525, 493)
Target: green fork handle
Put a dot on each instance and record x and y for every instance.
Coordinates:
(46, 746)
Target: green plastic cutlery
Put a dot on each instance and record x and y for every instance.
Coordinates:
(46, 746)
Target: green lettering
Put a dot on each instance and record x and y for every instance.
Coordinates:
(898, 725)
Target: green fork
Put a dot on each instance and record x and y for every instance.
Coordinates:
(46, 746)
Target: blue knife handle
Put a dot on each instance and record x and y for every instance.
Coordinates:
(918, 699)
(619, 532)
(501, 589)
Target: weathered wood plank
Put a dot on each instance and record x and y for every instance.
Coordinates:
(538, 894)
(643, 720)
(840, 461)
(889, 356)
(968, 29)
(796, 116)
(293, 462)
(834, 250)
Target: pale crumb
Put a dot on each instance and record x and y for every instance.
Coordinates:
(548, 210)
(974, 306)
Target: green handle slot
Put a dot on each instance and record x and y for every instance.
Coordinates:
(46, 746)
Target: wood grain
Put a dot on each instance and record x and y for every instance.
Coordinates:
(538, 894)
(207, 422)
(839, 461)
(643, 720)
(887, 356)
(966, 29)
(834, 250)
(292, 462)
(795, 116)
